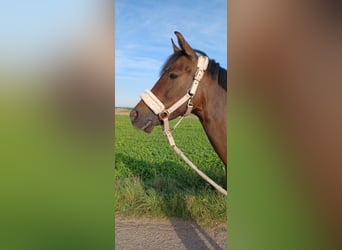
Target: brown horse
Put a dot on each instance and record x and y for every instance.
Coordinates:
(208, 103)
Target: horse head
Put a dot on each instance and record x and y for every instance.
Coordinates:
(176, 79)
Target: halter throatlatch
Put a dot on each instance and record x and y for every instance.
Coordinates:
(159, 109)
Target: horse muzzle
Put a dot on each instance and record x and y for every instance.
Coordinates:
(144, 119)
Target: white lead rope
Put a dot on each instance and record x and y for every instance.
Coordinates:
(179, 152)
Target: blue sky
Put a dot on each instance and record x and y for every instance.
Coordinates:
(143, 30)
(31, 31)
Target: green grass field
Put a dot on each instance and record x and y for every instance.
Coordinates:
(152, 181)
(267, 204)
(56, 178)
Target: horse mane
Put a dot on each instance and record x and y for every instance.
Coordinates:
(215, 70)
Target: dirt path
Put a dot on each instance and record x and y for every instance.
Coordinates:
(167, 234)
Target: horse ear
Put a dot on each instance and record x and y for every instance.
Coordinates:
(174, 46)
(185, 46)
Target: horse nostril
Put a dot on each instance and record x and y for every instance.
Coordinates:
(134, 115)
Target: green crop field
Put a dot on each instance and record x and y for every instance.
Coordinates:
(152, 181)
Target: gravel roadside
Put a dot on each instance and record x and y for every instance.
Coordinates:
(167, 234)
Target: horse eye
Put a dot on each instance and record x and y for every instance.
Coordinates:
(172, 76)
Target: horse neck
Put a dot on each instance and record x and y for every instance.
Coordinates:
(210, 106)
